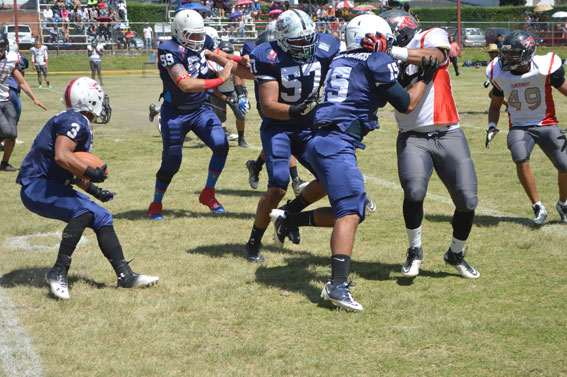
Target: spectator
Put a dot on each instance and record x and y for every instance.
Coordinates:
(65, 15)
(256, 10)
(219, 5)
(120, 42)
(286, 6)
(330, 14)
(94, 51)
(408, 9)
(148, 36)
(454, 53)
(499, 41)
(335, 26)
(122, 10)
(102, 32)
(384, 6)
(91, 33)
(47, 14)
(130, 38)
(321, 13)
(343, 44)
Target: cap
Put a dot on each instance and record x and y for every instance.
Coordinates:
(492, 47)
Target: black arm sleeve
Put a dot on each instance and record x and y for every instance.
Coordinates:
(497, 92)
(396, 95)
(557, 78)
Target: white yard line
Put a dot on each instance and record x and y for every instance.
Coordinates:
(17, 357)
(24, 243)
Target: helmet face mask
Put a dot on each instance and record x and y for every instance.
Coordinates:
(188, 29)
(517, 51)
(404, 26)
(4, 45)
(297, 35)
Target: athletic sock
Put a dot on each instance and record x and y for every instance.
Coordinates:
(215, 168)
(160, 190)
(457, 246)
(259, 162)
(256, 235)
(296, 205)
(240, 135)
(414, 237)
(110, 247)
(294, 220)
(70, 238)
(293, 172)
(339, 266)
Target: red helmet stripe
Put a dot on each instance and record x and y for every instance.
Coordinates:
(67, 94)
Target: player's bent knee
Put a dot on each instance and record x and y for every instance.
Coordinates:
(102, 217)
(221, 150)
(467, 203)
(415, 194)
(163, 176)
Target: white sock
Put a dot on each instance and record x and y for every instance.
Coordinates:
(457, 246)
(538, 203)
(561, 203)
(414, 237)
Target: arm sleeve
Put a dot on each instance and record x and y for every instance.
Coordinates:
(557, 78)
(497, 92)
(396, 95)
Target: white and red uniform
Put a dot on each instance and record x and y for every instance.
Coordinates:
(7, 65)
(437, 107)
(529, 95)
(39, 55)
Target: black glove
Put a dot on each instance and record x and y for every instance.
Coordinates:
(378, 42)
(427, 69)
(99, 193)
(303, 108)
(96, 175)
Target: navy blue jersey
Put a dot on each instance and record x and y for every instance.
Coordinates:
(247, 48)
(352, 89)
(297, 81)
(40, 161)
(170, 53)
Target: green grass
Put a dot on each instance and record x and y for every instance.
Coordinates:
(214, 314)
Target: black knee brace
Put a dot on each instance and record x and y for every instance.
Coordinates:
(163, 176)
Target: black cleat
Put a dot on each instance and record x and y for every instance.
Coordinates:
(253, 253)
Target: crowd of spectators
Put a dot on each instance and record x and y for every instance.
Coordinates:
(62, 19)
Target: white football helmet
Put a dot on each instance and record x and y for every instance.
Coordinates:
(189, 29)
(271, 27)
(213, 33)
(359, 26)
(296, 34)
(84, 94)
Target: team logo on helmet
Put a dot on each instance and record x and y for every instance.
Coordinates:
(402, 22)
(528, 42)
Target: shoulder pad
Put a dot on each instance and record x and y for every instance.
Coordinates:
(547, 64)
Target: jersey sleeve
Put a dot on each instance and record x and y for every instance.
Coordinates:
(210, 43)
(383, 68)
(247, 48)
(262, 63)
(168, 58)
(435, 38)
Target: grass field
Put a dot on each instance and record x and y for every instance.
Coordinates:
(215, 314)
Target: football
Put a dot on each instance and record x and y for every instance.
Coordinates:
(91, 160)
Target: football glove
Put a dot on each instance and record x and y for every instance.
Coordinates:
(243, 105)
(96, 175)
(491, 132)
(404, 78)
(375, 43)
(100, 194)
(427, 70)
(303, 108)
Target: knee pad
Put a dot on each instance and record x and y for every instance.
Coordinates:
(76, 226)
(415, 192)
(220, 150)
(466, 202)
(163, 177)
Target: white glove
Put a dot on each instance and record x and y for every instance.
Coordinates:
(491, 132)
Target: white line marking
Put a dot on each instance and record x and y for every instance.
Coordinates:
(556, 229)
(23, 242)
(17, 356)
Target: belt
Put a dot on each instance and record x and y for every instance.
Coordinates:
(185, 107)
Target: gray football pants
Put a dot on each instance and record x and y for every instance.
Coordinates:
(445, 151)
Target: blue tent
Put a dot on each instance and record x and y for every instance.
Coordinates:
(194, 6)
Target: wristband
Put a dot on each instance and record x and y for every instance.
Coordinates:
(491, 125)
(93, 190)
(181, 78)
(213, 83)
(400, 53)
(239, 89)
(236, 58)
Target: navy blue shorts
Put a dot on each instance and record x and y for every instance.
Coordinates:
(279, 144)
(333, 157)
(54, 200)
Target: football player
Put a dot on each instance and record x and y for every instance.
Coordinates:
(39, 62)
(8, 115)
(184, 73)
(357, 84)
(430, 139)
(525, 81)
(48, 173)
(289, 71)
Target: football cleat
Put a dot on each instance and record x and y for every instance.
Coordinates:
(458, 261)
(208, 199)
(413, 261)
(540, 214)
(253, 173)
(253, 253)
(131, 279)
(230, 136)
(40, 86)
(153, 113)
(281, 231)
(298, 186)
(154, 212)
(370, 204)
(242, 143)
(5, 166)
(340, 295)
(58, 285)
(562, 209)
(49, 86)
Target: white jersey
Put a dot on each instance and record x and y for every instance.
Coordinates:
(39, 55)
(95, 56)
(7, 65)
(437, 107)
(530, 102)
